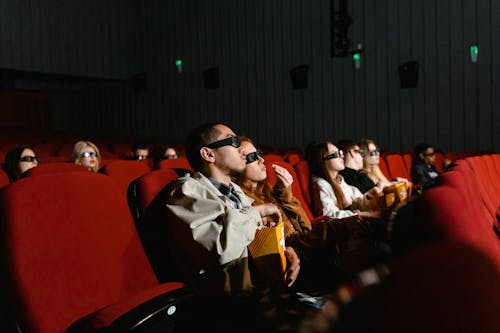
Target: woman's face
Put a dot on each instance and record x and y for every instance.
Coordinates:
(88, 158)
(372, 156)
(334, 158)
(255, 170)
(27, 160)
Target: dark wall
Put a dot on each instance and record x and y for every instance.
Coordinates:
(255, 44)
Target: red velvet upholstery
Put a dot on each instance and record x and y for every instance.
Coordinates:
(438, 161)
(383, 167)
(72, 250)
(303, 177)
(176, 163)
(441, 287)
(149, 185)
(408, 162)
(296, 189)
(4, 179)
(273, 158)
(124, 172)
(293, 158)
(397, 167)
(55, 167)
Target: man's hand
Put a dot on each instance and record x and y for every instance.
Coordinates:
(269, 213)
(293, 271)
(283, 178)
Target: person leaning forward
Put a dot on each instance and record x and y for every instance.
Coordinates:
(211, 220)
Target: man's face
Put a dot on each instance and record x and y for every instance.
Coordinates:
(357, 157)
(428, 156)
(141, 154)
(228, 159)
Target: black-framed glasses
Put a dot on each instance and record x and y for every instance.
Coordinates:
(429, 154)
(170, 156)
(374, 152)
(254, 156)
(30, 159)
(231, 141)
(141, 157)
(359, 151)
(335, 154)
(88, 154)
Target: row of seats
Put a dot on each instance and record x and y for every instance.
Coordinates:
(81, 264)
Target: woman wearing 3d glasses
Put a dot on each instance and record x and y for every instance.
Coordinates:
(87, 154)
(18, 161)
(331, 195)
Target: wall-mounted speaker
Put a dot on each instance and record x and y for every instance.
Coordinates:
(299, 77)
(408, 74)
(211, 78)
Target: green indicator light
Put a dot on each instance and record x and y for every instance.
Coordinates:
(178, 65)
(474, 53)
(356, 57)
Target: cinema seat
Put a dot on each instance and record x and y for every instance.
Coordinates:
(55, 167)
(124, 172)
(303, 177)
(396, 166)
(73, 259)
(4, 179)
(178, 164)
(144, 189)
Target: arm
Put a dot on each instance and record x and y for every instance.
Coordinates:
(325, 201)
(213, 223)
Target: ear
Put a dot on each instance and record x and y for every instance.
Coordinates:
(207, 154)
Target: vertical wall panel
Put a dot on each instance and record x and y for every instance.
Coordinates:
(255, 44)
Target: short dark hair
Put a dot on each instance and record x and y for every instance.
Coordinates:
(197, 138)
(420, 149)
(345, 145)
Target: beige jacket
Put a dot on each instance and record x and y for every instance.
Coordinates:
(214, 224)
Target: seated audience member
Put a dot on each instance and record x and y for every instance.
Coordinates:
(322, 244)
(331, 195)
(161, 153)
(207, 208)
(423, 170)
(140, 152)
(87, 154)
(18, 161)
(371, 161)
(353, 160)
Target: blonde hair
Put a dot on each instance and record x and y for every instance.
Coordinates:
(372, 170)
(78, 149)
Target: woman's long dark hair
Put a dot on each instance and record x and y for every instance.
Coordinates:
(314, 156)
(11, 164)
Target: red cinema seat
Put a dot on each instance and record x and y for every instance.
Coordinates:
(271, 157)
(74, 261)
(383, 167)
(180, 163)
(4, 179)
(397, 167)
(55, 167)
(408, 162)
(303, 177)
(438, 161)
(296, 189)
(124, 172)
(145, 188)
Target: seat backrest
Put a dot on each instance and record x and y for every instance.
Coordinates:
(55, 167)
(145, 188)
(408, 162)
(303, 177)
(438, 161)
(397, 167)
(72, 250)
(272, 157)
(175, 163)
(124, 172)
(296, 189)
(4, 179)
(383, 167)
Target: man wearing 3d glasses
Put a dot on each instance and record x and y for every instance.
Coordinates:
(211, 220)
